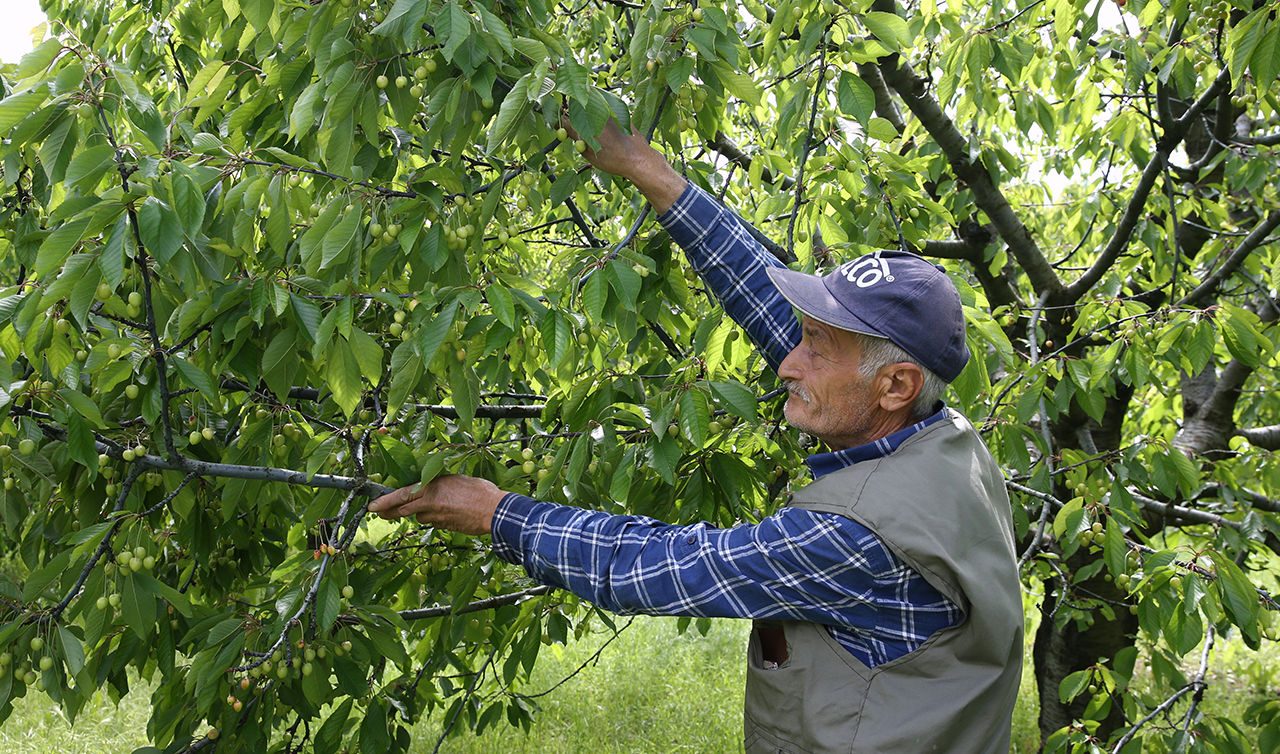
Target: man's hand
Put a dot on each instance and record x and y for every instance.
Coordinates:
(629, 156)
(458, 503)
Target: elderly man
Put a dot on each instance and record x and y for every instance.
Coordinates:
(885, 597)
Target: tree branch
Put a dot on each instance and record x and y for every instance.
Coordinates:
(1210, 286)
(986, 194)
(1137, 202)
(501, 600)
(725, 146)
(1267, 438)
(1256, 499)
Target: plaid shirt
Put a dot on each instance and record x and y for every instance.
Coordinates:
(794, 565)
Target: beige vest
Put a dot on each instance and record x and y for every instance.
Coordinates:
(939, 503)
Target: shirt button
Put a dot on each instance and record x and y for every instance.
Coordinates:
(692, 539)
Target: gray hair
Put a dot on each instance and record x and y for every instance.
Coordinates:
(879, 352)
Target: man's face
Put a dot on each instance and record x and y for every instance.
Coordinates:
(829, 398)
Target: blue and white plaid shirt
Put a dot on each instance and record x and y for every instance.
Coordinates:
(795, 564)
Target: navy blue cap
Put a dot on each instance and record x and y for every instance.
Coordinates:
(887, 294)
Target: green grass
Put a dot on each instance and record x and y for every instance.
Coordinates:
(38, 726)
(652, 690)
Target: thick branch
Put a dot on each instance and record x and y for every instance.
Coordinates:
(1137, 202)
(486, 412)
(1214, 422)
(1256, 500)
(1267, 438)
(1270, 140)
(1232, 263)
(985, 192)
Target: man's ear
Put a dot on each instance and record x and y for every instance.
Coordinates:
(899, 385)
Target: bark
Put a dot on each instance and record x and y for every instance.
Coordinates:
(1205, 431)
(1060, 651)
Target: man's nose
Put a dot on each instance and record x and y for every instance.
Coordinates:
(790, 369)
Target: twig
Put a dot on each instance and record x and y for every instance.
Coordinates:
(818, 87)
(470, 690)
(1168, 703)
(501, 600)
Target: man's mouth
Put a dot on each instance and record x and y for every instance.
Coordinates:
(796, 389)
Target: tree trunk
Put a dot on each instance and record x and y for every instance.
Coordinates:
(1062, 650)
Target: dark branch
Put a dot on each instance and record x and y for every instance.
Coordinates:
(1211, 284)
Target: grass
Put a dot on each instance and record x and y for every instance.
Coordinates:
(652, 690)
(38, 726)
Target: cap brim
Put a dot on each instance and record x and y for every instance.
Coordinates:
(810, 295)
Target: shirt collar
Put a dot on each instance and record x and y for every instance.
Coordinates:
(821, 464)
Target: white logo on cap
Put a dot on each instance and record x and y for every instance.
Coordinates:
(867, 271)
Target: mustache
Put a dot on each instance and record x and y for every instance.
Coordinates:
(796, 389)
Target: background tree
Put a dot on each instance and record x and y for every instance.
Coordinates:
(262, 256)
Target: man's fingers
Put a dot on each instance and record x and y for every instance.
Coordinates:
(390, 504)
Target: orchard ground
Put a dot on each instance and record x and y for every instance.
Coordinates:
(652, 690)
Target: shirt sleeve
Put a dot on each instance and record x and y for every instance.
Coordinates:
(733, 265)
(795, 565)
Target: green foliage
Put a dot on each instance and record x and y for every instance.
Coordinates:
(262, 256)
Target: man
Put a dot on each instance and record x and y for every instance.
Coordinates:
(887, 608)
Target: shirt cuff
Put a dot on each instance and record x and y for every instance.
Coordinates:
(691, 218)
(508, 524)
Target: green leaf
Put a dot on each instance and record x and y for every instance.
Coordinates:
(37, 582)
(60, 243)
(342, 374)
(511, 115)
(740, 85)
(307, 314)
(72, 650)
(695, 416)
(664, 455)
(160, 230)
(466, 391)
(882, 130)
(1238, 594)
(196, 377)
(328, 604)
(1242, 40)
(188, 203)
(16, 107)
(626, 282)
(737, 397)
(889, 29)
(856, 98)
(90, 165)
(433, 335)
(138, 607)
(503, 306)
(494, 25)
(368, 354)
(83, 406)
(594, 295)
(1073, 685)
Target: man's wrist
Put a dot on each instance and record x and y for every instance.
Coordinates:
(508, 524)
(656, 179)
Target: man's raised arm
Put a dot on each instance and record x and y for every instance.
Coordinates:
(732, 264)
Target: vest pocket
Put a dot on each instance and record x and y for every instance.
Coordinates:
(772, 639)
